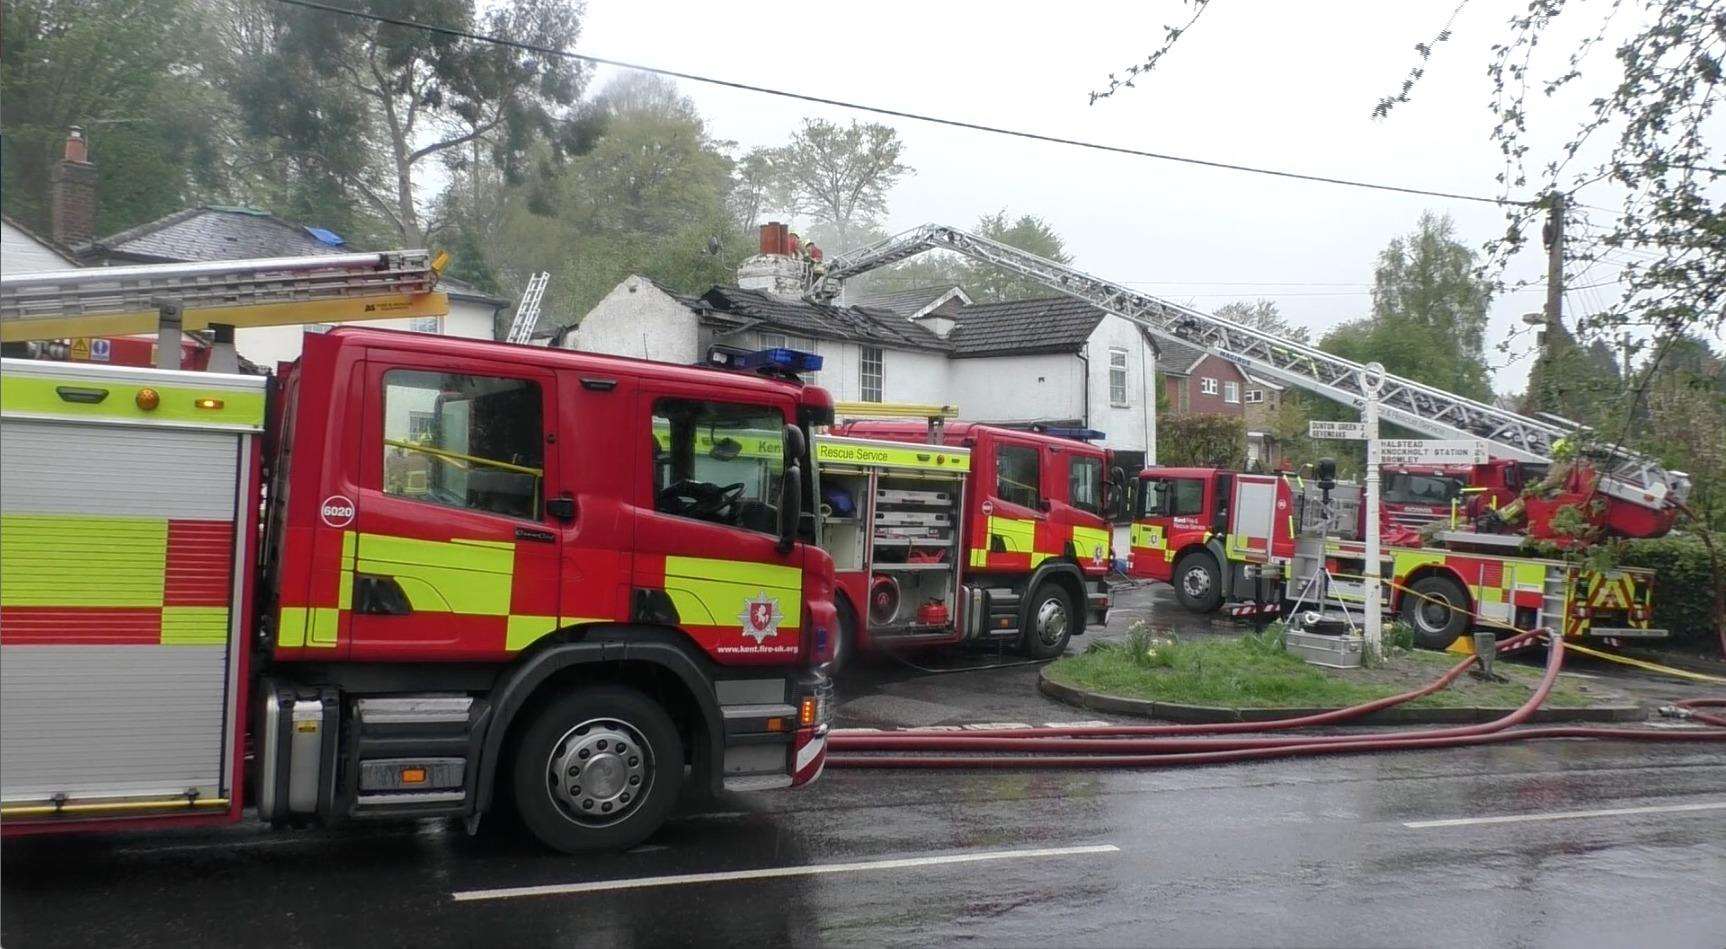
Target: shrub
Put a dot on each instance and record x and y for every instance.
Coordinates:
(1683, 585)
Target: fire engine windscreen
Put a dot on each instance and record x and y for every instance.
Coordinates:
(719, 462)
(465, 441)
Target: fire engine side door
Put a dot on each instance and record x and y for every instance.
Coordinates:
(452, 552)
(1016, 511)
(1170, 516)
(708, 559)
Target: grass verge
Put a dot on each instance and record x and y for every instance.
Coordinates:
(1254, 672)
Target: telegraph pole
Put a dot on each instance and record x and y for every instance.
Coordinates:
(1553, 233)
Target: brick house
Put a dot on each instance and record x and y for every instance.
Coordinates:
(1197, 382)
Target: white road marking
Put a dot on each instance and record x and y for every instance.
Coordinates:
(682, 879)
(1088, 723)
(1565, 815)
(994, 726)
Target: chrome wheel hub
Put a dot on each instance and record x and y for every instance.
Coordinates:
(1196, 582)
(1051, 621)
(599, 771)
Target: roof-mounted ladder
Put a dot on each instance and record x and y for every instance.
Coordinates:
(275, 291)
(527, 311)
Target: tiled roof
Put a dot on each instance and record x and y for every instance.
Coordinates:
(855, 323)
(215, 233)
(905, 303)
(1174, 358)
(1061, 324)
(222, 233)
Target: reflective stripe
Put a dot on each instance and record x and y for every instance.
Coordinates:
(32, 395)
(69, 560)
(1092, 542)
(1018, 535)
(831, 449)
(718, 592)
(461, 576)
(523, 630)
(194, 625)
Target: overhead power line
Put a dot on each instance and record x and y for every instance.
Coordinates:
(895, 113)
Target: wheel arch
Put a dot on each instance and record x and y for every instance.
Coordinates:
(658, 661)
(1071, 579)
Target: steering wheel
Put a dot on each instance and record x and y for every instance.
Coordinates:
(701, 499)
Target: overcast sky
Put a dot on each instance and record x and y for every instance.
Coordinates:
(1259, 82)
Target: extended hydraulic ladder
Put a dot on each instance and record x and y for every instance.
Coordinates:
(1405, 402)
(275, 291)
(527, 311)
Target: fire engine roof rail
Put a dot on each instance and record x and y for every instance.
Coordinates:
(270, 291)
(1408, 403)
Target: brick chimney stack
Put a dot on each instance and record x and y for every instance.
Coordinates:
(777, 269)
(73, 192)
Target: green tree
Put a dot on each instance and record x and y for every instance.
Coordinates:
(983, 282)
(423, 93)
(1428, 319)
(839, 175)
(103, 65)
(1263, 316)
(1202, 441)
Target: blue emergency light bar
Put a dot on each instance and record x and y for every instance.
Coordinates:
(1077, 434)
(778, 359)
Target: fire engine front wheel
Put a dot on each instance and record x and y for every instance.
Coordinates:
(598, 769)
(1198, 583)
(1048, 621)
(1437, 608)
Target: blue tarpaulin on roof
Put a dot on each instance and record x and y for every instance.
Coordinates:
(325, 236)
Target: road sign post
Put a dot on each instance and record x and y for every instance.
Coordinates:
(1371, 381)
(1354, 431)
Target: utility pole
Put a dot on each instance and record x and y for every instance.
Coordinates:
(1553, 233)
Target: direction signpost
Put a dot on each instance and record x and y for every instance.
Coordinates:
(1431, 451)
(1353, 431)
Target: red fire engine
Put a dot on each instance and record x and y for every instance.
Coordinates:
(968, 532)
(1208, 532)
(408, 575)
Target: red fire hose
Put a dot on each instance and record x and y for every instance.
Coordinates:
(1057, 748)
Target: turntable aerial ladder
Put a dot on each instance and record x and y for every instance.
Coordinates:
(1624, 475)
(275, 291)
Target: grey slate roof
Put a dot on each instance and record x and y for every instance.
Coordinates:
(1174, 359)
(905, 303)
(1057, 325)
(855, 323)
(212, 232)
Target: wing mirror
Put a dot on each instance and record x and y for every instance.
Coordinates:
(791, 489)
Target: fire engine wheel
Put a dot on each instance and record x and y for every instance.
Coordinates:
(1438, 614)
(1048, 621)
(1198, 583)
(598, 769)
(844, 638)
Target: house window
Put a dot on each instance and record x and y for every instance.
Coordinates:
(473, 442)
(1255, 396)
(774, 341)
(1208, 386)
(426, 324)
(1232, 392)
(1118, 377)
(319, 327)
(869, 374)
(1017, 480)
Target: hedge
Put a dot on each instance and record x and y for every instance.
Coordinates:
(1683, 586)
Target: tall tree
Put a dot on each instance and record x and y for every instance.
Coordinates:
(1428, 319)
(982, 282)
(1263, 316)
(839, 175)
(425, 93)
(103, 65)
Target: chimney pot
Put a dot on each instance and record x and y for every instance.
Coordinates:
(72, 182)
(77, 147)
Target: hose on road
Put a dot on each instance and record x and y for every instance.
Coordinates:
(1129, 746)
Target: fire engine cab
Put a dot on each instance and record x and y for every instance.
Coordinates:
(408, 575)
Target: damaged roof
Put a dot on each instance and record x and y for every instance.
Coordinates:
(855, 323)
(1056, 325)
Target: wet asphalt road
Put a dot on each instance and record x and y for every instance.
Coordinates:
(1315, 852)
